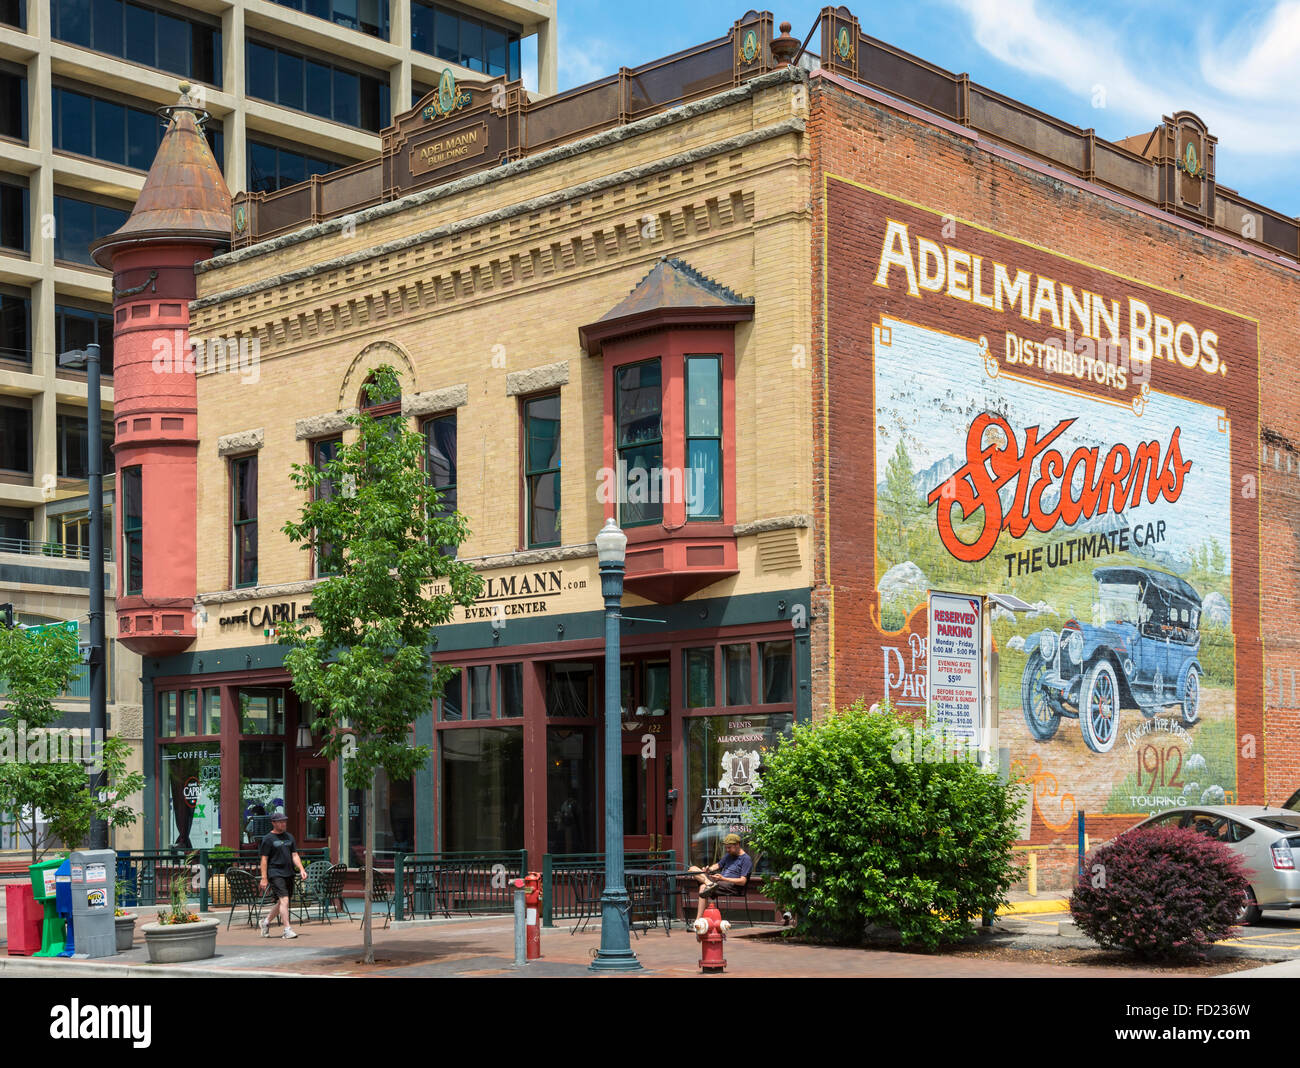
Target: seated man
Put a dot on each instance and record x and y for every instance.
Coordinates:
(728, 876)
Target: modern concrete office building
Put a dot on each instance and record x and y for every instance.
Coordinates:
(294, 88)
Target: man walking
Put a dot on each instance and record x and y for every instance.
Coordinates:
(280, 857)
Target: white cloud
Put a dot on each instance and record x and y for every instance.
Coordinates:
(1242, 84)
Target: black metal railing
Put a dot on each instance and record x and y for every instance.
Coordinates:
(432, 884)
(571, 880)
(57, 549)
(146, 875)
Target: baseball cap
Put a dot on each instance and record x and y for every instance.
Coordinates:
(280, 817)
(731, 839)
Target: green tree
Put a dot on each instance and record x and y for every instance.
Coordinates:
(363, 664)
(43, 774)
(900, 506)
(867, 820)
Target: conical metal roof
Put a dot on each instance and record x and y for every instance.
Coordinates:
(184, 196)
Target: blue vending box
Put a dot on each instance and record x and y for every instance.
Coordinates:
(63, 901)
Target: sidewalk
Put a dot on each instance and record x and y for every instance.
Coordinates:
(474, 947)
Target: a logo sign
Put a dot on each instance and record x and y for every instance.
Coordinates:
(97, 899)
(241, 218)
(190, 791)
(843, 45)
(96, 873)
(749, 45)
(449, 99)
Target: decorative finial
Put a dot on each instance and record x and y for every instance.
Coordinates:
(785, 46)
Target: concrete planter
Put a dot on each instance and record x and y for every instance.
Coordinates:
(125, 927)
(180, 942)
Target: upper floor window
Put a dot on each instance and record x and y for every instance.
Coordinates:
(105, 129)
(74, 445)
(703, 482)
(75, 328)
(332, 92)
(322, 454)
(79, 222)
(14, 13)
(471, 42)
(15, 526)
(367, 16)
(131, 489)
(440, 462)
(15, 328)
(70, 531)
(13, 104)
(243, 514)
(141, 34)
(15, 230)
(271, 167)
(542, 470)
(638, 413)
(15, 437)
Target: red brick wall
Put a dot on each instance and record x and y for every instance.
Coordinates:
(911, 159)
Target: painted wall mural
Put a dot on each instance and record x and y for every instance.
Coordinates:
(1048, 429)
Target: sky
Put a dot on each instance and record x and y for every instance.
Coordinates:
(1117, 67)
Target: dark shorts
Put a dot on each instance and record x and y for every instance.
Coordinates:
(721, 890)
(281, 885)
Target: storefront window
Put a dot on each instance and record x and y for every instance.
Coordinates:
(724, 773)
(316, 802)
(570, 790)
(189, 711)
(570, 690)
(480, 691)
(211, 711)
(394, 819)
(699, 678)
(510, 691)
(167, 714)
(261, 786)
(482, 788)
(778, 676)
(449, 706)
(190, 798)
(735, 663)
(261, 711)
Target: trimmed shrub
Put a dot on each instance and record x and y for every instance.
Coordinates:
(867, 820)
(1160, 892)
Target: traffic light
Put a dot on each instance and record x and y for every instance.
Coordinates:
(7, 616)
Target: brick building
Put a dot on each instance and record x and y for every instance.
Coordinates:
(876, 313)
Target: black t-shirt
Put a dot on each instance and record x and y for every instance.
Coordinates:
(279, 850)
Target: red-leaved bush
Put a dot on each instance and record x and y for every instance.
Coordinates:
(1159, 892)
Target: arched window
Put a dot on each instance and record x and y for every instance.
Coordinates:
(378, 405)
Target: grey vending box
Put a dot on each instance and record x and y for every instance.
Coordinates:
(93, 874)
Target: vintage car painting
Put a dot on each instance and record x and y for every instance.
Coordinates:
(1140, 652)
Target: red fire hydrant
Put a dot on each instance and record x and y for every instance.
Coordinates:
(711, 930)
(533, 915)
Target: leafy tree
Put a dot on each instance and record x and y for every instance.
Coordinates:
(42, 772)
(865, 822)
(363, 664)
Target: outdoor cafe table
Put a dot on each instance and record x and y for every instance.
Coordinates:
(660, 894)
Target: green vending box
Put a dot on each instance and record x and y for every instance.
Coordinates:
(54, 931)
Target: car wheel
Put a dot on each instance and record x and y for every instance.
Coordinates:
(1191, 698)
(1099, 711)
(1250, 912)
(1041, 718)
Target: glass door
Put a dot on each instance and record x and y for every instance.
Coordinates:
(647, 755)
(311, 824)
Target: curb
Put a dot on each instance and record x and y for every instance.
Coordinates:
(63, 968)
(1031, 908)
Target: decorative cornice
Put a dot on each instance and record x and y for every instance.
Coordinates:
(536, 379)
(780, 522)
(318, 426)
(244, 441)
(435, 400)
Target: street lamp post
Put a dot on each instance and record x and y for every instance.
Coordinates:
(615, 954)
(89, 359)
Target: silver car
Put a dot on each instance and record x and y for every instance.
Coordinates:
(1266, 839)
